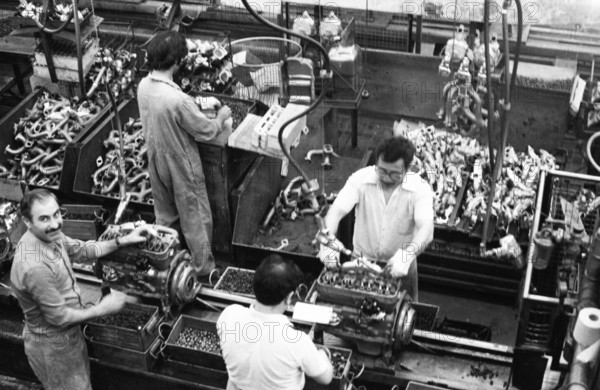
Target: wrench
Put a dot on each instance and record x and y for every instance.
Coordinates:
(285, 242)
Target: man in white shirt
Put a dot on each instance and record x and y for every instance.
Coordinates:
(261, 348)
(394, 213)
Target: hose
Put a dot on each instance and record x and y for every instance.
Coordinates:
(79, 48)
(314, 105)
(497, 167)
(513, 78)
(490, 117)
(588, 150)
(488, 71)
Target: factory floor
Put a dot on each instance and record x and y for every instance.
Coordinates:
(499, 314)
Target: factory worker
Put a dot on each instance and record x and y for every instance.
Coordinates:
(394, 213)
(261, 348)
(43, 282)
(171, 121)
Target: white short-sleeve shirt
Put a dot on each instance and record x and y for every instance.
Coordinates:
(265, 352)
(382, 228)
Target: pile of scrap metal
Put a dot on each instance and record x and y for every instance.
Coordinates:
(106, 177)
(442, 158)
(60, 12)
(295, 201)
(206, 67)
(514, 193)
(115, 67)
(37, 152)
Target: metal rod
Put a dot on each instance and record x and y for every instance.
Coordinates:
(462, 341)
(572, 175)
(533, 232)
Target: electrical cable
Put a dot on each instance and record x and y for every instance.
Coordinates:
(497, 167)
(513, 78)
(314, 105)
(488, 71)
(79, 48)
(490, 117)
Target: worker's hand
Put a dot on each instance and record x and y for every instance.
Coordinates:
(224, 113)
(329, 257)
(362, 262)
(399, 264)
(139, 234)
(113, 302)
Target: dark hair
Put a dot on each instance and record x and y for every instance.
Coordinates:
(392, 149)
(275, 278)
(30, 197)
(166, 49)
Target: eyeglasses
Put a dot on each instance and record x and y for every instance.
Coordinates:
(395, 175)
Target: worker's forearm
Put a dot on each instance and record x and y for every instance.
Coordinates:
(102, 248)
(333, 218)
(422, 238)
(73, 316)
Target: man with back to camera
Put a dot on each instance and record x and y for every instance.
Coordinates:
(261, 348)
(394, 213)
(172, 122)
(43, 282)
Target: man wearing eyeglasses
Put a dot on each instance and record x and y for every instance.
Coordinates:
(394, 213)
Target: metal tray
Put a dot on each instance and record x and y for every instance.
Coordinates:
(178, 353)
(134, 339)
(229, 271)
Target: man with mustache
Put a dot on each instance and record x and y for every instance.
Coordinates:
(43, 282)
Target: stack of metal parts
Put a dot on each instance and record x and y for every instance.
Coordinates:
(40, 137)
(106, 181)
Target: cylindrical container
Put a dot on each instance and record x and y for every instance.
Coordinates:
(587, 327)
(544, 246)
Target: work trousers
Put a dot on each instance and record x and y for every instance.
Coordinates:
(181, 201)
(59, 359)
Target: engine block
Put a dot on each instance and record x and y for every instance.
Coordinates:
(157, 268)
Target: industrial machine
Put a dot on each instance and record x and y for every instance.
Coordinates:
(157, 269)
(371, 309)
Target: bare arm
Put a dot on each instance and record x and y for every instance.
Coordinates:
(326, 377)
(91, 250)
(315, 363)
(333, 218)
(40, 283)
(196, 123)
(111, 303)
(423, 234)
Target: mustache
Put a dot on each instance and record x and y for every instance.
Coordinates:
(48, 231)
